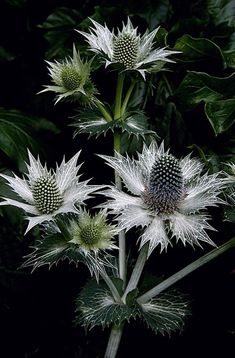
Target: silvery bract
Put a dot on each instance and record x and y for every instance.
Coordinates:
(46, 193)
(128, 48)
(166, 196)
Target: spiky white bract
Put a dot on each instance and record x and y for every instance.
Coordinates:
(166, 196)
(93, 233)
(127, 48)
(71, 79)
(46, 193)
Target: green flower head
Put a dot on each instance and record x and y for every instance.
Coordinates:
(71, 79)
(93, 233)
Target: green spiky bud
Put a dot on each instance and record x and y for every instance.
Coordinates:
(92, 233)
(70, 78)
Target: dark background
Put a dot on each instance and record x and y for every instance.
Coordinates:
(37, 310)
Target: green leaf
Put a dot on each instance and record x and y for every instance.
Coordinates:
(221, 114)
(6, 55)
(222, 11)
(198, 87)
(16, 3)
(230, 58)
(197, 49)
(166, 313)
(19, 132)
(130, 298)
(60, 28)
(229, 214)
(95, 307)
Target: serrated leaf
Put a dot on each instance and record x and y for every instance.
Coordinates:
(221, 114)
(90, 121)
(197, 49)
(19, 132)
(166, 313)
(56, 246)
(95, 307)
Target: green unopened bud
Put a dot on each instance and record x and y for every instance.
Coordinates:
(92, 233)
(71, 79)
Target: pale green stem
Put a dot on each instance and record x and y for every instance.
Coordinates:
(121, 236)
(104, 111)
(137, 271)
(118, 98)
(111, 286)
(185, 271)
(114, 340)
(127, 97)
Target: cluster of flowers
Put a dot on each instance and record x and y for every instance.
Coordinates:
(166, 197)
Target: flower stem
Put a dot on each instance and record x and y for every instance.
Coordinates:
(104, 111)
(137, 271)
(118, 99)
(127, 97)
(114, 340)
(111, 286)
(121, 236)
(185, 271)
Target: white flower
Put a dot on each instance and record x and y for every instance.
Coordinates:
(166, 196)
(131, 50)
(46, 193)
(71, 79)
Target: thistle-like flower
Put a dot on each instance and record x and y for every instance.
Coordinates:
(92, 234)
(167, 196)
(71, 79)
(46, 193)
(128, 49)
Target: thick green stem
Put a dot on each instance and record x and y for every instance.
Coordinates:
(185, 271)
(114, 340)
(127, 97)
(111, 286)
(118, 98)
(137, 271)
(121, 236)
(104, 111)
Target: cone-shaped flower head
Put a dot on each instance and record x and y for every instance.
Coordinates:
(127, 48)
(46, 193)
(71, 79)
(168, 196)
(93, 233)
